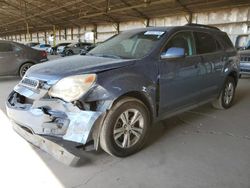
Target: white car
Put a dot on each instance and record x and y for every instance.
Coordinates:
(60, 49)
(44, 47)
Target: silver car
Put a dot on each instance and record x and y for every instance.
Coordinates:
(16, 59)
(244, 62)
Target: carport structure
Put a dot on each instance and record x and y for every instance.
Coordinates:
(33, 16)
(203, 147)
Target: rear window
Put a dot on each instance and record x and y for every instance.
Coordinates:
(5, 47)
(205, 43)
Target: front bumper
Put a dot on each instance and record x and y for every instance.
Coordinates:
(43, 116)
(245, 68)
(57, 150)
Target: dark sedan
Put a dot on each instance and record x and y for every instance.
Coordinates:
(16, 59)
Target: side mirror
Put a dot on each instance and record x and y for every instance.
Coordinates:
(173, 52)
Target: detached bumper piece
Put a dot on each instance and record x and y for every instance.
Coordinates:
(57, 151)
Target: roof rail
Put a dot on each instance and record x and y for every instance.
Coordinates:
(204, 26)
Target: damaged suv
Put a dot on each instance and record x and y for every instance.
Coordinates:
(111, 96)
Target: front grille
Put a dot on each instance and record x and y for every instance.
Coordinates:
(245, 59)
(30, 83)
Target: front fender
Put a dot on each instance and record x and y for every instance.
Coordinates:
(113, 84)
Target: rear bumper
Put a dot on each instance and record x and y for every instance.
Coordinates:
(43, 60)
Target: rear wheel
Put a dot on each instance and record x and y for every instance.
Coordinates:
(23, 69)
(125, 127)
(225, 100)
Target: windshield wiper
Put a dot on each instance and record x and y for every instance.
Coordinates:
(111, 56)
(105, 55)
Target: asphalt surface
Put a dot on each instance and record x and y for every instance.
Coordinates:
(203, 148)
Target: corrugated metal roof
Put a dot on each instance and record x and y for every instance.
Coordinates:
(43, 14)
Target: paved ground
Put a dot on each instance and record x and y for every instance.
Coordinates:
(202, 148)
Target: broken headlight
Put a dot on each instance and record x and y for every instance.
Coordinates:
(73, 87)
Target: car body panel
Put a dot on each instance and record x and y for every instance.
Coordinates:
(74, 65)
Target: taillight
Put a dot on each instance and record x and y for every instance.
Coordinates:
(43, 54)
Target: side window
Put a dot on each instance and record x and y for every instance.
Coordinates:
(227, 43)
(182, 40)
(218, 45)
(16, 48)
(205, 43)
(6, 47)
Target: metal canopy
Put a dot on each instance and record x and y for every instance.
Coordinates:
(40, 15)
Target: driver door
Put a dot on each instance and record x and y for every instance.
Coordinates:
(180, 78)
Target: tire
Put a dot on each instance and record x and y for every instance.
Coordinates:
(225, 100)
(114, 131)
(69, 53)
(52, 52)
(23, 69)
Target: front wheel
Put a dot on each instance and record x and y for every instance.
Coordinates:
(225, 100)
(125, 127)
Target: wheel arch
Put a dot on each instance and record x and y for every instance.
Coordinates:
(234, 75)
(133, 94)
(141, 97)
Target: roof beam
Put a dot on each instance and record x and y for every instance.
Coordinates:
(142, 15)
(43, 12)
(101, 10)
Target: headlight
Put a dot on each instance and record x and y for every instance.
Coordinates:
(73, 87)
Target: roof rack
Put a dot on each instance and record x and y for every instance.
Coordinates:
(204, 26)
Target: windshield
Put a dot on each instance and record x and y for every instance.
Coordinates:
(72, 44)
(128, 45)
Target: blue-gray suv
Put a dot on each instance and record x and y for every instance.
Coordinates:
(110, 97)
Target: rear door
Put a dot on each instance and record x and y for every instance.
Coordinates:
(180, 80)
(213, 60)
(8, 58)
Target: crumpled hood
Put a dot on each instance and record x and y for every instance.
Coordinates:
(54, 70)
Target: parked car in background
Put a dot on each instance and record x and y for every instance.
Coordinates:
(110, 97)
(88, 48)
(243, 45)
(75, 48)
(16, 59)
(60, 50)
(32, 44)
(44, 47)
(244, 62)
(53, 50)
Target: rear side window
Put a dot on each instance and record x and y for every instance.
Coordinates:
(5, 47)
(205, 43)
(227, 43)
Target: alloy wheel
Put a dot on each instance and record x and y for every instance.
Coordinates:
(128, 128)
